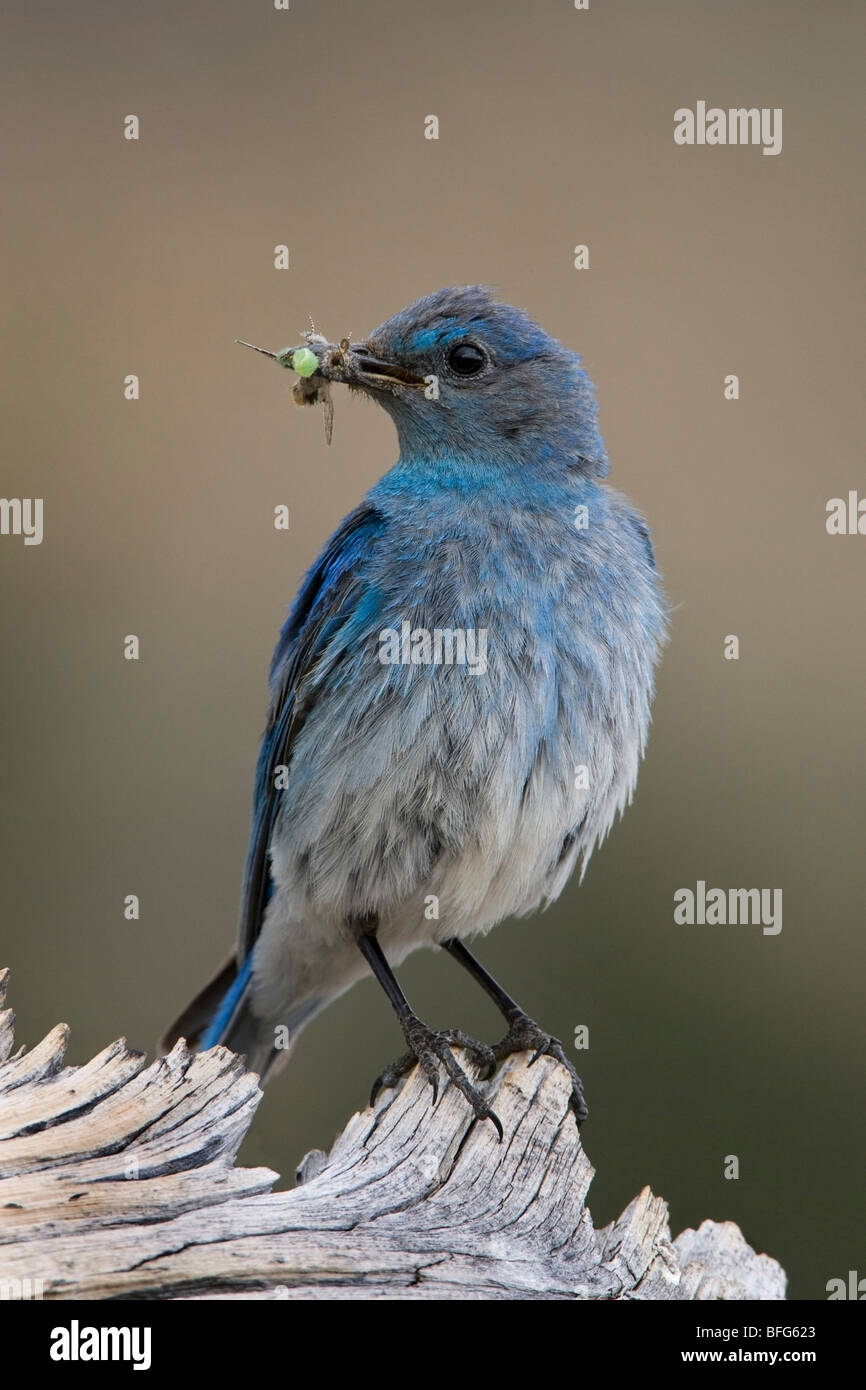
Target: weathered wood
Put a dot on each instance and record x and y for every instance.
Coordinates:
(117, 1179)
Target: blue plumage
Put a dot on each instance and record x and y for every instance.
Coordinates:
(461, 694)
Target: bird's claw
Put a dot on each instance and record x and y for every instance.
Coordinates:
(431, 1050)
(525, 1036)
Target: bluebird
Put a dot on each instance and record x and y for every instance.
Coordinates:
(460, 696)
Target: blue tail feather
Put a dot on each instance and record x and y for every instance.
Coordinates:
(213, 1033)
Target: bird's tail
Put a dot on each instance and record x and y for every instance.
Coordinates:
(222, 1013)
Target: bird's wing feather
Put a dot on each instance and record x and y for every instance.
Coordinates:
(329, 596)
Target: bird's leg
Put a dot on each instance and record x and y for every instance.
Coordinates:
(523, 1035)
(426, 1048)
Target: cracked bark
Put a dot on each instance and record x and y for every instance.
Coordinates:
(117, 1180)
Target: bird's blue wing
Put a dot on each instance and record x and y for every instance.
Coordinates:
(331, 594)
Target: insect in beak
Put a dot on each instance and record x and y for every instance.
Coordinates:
(311, 388)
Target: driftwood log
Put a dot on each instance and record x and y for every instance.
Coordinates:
(117, 1180)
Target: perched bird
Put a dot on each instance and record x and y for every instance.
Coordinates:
(460, 697)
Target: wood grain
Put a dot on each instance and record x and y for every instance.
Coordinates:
(117, 1179)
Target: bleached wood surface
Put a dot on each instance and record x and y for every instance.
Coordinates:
(117, 1179)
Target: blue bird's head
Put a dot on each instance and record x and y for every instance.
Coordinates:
(464, 376)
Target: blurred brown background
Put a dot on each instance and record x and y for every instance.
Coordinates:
(306, 127)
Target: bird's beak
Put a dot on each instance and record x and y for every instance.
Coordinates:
(347, 364)
(356, 364)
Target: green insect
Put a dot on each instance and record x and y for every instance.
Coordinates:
(304, 361)
(305, 391)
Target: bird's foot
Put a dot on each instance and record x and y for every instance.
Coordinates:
(429, 1049)
(525, 1036)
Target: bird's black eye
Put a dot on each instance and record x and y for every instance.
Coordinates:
(466, 359)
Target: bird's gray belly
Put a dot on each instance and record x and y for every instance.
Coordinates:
(455, 806)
